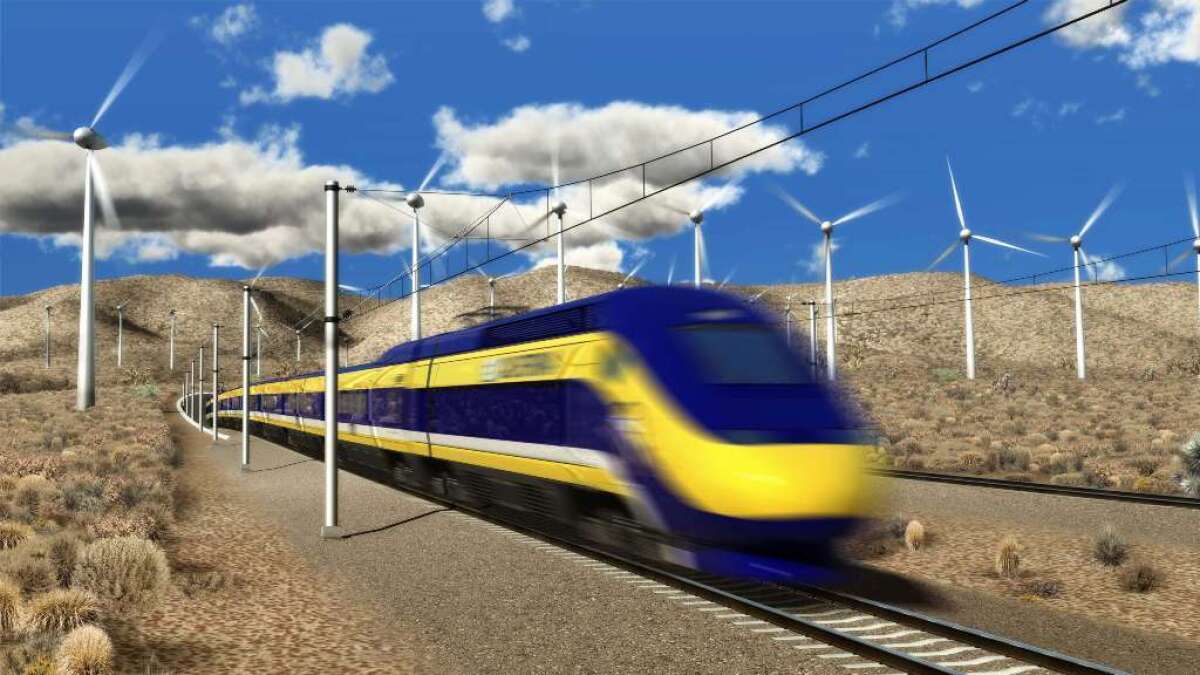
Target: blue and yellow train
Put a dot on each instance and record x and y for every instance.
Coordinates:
(669, 422)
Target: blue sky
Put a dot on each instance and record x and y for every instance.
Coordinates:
(1037, 137)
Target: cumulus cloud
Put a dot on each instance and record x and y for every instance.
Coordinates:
(899, 10)
(1067, 108)
(604, 255)
(1169, 31)
(1107, 270)
(498, 10)
(337, 65)
(250, 202)
(863, 151)
(229, 25)
(814, 264)
(518, 44)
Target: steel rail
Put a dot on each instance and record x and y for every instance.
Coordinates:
(1179, 501)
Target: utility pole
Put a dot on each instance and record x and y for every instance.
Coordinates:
(297, 345)
(812, 336)
(200, 390)
(330, 529)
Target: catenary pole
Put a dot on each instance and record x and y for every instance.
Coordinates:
(330, 529)
(245, 378)
(215, 376)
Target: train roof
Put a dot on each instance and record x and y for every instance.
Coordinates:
(579, 316)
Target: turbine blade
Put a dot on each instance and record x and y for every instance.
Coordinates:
(34, 131)
(868, 209)
(705, 270)
(437, 165)
(1088, 264)
(257, 311)
(1049, 238)
(957, 202)
(103, 195)
(796, 205)
(1192, 211)
(1104, 204)
(671, 271)
(997, 242)
(945, 254)
(135, 63)
(727, 278)
(676, 209)
(257, 277)
(1179, 259)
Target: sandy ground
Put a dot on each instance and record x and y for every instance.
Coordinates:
(275, 614)
(1093, 617)
(475, 598)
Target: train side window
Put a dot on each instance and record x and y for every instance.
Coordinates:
(289, 404)
(524, 412)
(387, 407)
(352, 406)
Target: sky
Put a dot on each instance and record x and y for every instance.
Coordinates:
(240, 112)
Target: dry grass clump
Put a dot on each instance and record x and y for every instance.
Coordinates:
(1008, 558)
(87, 650)
(1141, 578)
(11, 608)
(62, 556)
(61, 610)
(1109, 548)
(124, 570)
(13, 533)
(914, 535)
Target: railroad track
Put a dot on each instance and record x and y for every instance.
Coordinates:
(1178, 501)
(858, 634)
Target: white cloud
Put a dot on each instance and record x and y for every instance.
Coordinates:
(814, 264)
(863, 151)
(1067, 108)
(497, 11)
(230, 82)
(338, 65)
(518, 44)
(1169, 31)
(1117, 115)
(1143, 82)
(604, 255)
(975, 87)
(1108, 270)
(233, 23)
(900, 9)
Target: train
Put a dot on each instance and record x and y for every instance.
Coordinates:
(674, 424)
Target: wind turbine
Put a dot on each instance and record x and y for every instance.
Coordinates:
(696, 216)
(827, 227)
(1194, 213)
(90, 140)
(965, 235)
(415, 202)
(1081, 258)
(491, 282)
(635, 270)
(120, 331)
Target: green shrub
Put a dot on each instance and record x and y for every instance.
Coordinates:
(124, 570)
(87, 650)
(61, 610)
(1190, 456)
(941, 374)
(148, 390)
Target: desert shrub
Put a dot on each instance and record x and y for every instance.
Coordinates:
(1007, 459)
(1146, 484)
(13, 533)
(84, 496)
(10, 608)
(125, 570)
(1189, 455)
(62, 554)
(147, 390)
(974, 462)
(87, 650)
(1075, 479)
(61, 610)
(1119, 444)
(1141, 578)
(32, 574)
(1008, 558)
(1109, 548)
(1044, 588)
(1051, 435)
(1144, 465)
(914, 535)
(1062, 462)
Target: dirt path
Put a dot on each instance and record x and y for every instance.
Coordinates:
(270, 613)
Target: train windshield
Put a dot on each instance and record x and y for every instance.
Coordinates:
(741, 354)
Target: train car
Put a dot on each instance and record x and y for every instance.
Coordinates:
(672, 423)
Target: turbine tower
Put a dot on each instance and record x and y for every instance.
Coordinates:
(172, 351)
(965, 235)
(560, 209)
(47, 336)
(1080, 257)
(1194, 214)
(698, 257)
(90, 140)
(827, 227)
(121, 331)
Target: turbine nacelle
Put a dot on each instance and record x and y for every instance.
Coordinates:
(415, 200)
(965, 235)
(696, 217)
(826, 227)
(559, 209)
(1076, 241)
(1196, 245)
(89, 139)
